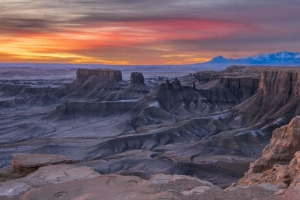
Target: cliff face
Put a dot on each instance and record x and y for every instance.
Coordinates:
(241, 82)
(280, 162)
(136, 78)
(280, 81)
(240, 87)
(277, 97)
(284, 144)
(101, 73)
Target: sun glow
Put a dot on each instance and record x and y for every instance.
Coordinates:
(147, 42)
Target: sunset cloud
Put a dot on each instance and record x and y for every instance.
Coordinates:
(143, 31)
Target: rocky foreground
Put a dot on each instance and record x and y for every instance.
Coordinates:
(280, 162)
(72, 182)
(274, 176)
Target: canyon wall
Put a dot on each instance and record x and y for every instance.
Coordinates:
(279, 166)
(280, 81)
(240, 87)
(241, 82)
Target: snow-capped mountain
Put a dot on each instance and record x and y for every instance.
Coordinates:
(278, 58)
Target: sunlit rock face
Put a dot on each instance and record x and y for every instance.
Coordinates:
(279, 164)
(284, 144)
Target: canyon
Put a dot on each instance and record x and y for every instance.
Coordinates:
(203, 129)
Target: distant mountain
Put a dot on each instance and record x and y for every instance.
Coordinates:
(278, 58)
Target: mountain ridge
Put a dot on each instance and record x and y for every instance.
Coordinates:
(277, 58)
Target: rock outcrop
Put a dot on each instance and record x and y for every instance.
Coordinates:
(159, 186)
(136, 78)
(24, 164)
(280, 162)
(46, 175)
(174, 85)
(284, 144)
(101, 73)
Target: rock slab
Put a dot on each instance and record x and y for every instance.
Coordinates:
(24, 163)
(47, 175)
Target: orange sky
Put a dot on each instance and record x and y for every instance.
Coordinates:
(124, 34)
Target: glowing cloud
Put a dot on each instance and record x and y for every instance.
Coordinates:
(144, 32)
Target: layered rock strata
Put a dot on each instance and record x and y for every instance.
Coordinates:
(280, 162)
(280, 82)
(284, 144)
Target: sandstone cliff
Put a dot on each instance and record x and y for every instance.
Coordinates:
(136, 78)
(284, 144)
(280, 162)
(101, 73)
(280, 82)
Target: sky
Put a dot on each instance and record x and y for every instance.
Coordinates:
(134, 32)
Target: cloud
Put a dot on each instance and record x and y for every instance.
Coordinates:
(144, 31)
